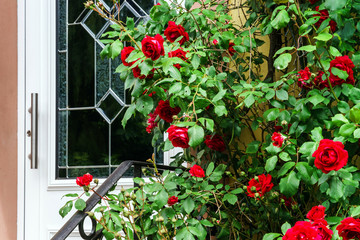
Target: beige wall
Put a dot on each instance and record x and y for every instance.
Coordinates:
(8, 119)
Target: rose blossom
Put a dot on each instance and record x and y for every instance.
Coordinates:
(173, 31)
(215, 42)
(165, 111)
(125, 54)
(151, 122)
(343, 63)
(215, 143)
(262, 185)
(180, 53)
(178, 136)
(301, 230)
(349, 228)
(319, 82)
(324, 233)
(231, 48)
(324, 14)
(137, 73)
(85, 180)
(172, 200)
(304, 76)
(316, 213)
(153, 47)
(313, 1)
(277, 139)
(197, 171)
(330, 156)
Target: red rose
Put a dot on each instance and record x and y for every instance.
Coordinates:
(125, 54)
(172, 200)
(324, 14)
(231, 48)
(197, 171)
(343, 63)
(330, 156)
(301, 230)
(215, 142)
(178, 136)
(262, 185)
(153, 47)
(151, 122)
(165, 111)
(277, 139)
(316, 213)
(215, 42)
(85, 180)
(288, 201)
(304, 76)
(313, 1)
(137, 73)
(349, 228)
(319, 82)
(180, 54)
(324, 233)
(173, 31)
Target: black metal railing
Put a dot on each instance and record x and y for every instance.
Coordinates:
(78, 218)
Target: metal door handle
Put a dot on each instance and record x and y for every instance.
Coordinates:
(33, 110)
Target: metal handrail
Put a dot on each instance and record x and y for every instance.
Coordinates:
(74, 221)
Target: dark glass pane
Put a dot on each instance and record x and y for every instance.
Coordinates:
(76, 8)
(117, 84)
(96, 172)
(61, 80)
(125, 12)
(95, 23)
(62, 173)
(102, 74)
(110, 107)
(142, 6)
(81, 67)
(131, 143)
(88, 139)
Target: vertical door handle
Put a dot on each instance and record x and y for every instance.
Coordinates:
(33, 110)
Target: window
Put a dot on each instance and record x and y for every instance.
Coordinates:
(90, 97)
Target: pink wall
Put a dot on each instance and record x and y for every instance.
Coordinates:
(8, 119)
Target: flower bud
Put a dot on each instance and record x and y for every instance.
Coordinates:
(102, 210)
(122, 189)
(160, 219)
(284, 122)
(282, 200)
(256, 178)
(243, 204)
(126, 214)
(253, 189)
(96, 181)
(141, 184)
(257, 195)
(127, 194)
(173, 220)
(133, 196)
(228, 173)
(242, 173)
(86, 188)
(90, 214)
(89, 4)
(122, 222)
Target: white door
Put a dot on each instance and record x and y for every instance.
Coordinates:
(80, 102)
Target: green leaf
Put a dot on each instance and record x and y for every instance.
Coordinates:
(282, 61)
(196, 135)
(220, 110)
(334, 5)
(161, 198)
(206, 223)
(271, 114)
(316, 134)
(343, 107)
(339, 119)
(283, 49)
(305, 171)
(355, 211)
(130, 23)
(271, 236)
(80, 204)
(286, 226)
(357, 133)
(285, 156)
(188, 205)
(174, 73)
(347, 130)
(231, 198)
(307, 48)
(70, 195)
(209, 13)
(210, 169)
(116, 48)
(355, 115)
(66, 208)
(249, 100)
(282, 94)
(333, 51)
(145, 104)
(218, 173)
(336, 190)
(340, 73)
(253, 147)
(208, 123)
(324, 37)
(271, 163)
(195, 61)
(129, 112)
(116, 218)
(289, 184)
(281, 20)
(307, 148)
(106, 51)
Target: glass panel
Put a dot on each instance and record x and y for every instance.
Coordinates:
(90, 137)
(80, 67)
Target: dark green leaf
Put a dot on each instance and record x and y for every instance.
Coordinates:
(289, 184)
(196, 135)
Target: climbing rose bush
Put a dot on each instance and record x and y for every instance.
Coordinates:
(267, 131)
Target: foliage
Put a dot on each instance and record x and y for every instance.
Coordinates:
(299, 126)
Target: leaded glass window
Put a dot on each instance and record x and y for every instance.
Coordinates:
(91, 99)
